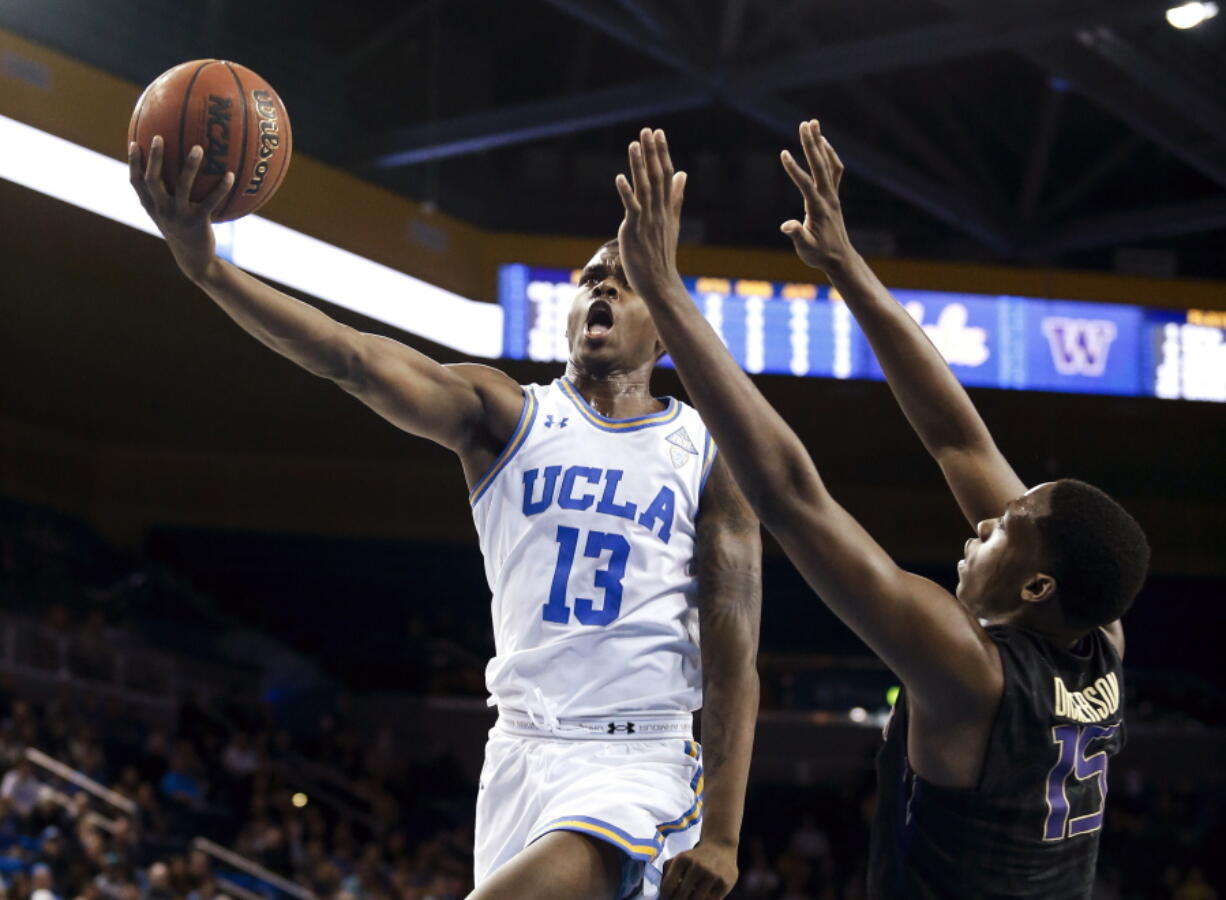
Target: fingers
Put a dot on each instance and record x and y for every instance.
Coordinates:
(187, 177)
(678, 193)
(638, 174)
(214, 198)
(674, 869)
(836, 164)
(800, 178)
(666, 165)
(813, 155)
(655, 172)
(696, 884)
(626, 192)
(136, 175)
(819, 165)
(153, 170)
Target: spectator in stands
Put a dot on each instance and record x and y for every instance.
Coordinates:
(21, 789)
(113, 880)
(240, 758)
(52, 853)
(157, 886)
(42, 883)
(152, 821)
(180, 783)
(10, 824)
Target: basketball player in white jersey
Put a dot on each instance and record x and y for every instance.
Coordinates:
(613, 538)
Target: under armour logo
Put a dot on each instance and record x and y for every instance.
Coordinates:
(625, 727)
(561, 422)
(1079, 346)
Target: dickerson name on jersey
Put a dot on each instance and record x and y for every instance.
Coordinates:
(1093, 704)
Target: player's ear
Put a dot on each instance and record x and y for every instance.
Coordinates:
(1038, 587)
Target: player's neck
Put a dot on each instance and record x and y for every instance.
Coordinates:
(1045, 621)
(614, 394)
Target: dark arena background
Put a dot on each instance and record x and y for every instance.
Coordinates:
(244, 621)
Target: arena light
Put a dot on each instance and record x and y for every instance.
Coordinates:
(1189, 15)
(95, 182)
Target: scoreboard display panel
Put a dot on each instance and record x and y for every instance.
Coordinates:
(1020, 343)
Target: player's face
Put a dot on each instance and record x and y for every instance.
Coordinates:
(609, 327)
(1004, 557)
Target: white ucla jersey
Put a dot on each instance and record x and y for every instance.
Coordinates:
(587, 525)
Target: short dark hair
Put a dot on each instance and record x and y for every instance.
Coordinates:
(1097, 552)
(613, 243)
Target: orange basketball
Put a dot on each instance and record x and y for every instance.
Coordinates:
(232, 113)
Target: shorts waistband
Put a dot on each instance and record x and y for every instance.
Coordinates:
(620, 727)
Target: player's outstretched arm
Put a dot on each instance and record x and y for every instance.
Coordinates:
(918, 629)
(452, 405)
(930, 396)
(729, 561)
(932, 399)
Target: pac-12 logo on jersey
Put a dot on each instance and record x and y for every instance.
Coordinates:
(681, 447)
(577, 487)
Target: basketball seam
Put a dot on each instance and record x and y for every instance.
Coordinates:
(187, 96)
(134, 131)
(242, 159)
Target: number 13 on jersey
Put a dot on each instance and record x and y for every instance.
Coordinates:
(608, 579)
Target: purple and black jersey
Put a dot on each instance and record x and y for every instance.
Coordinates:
(1031, 827)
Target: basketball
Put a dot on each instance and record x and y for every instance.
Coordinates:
(232, 113)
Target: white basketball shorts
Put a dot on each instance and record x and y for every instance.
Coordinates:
(614, 781)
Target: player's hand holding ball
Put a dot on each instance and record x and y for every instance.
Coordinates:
(209, 141)
(652, 199)
(821, 240)
(186, 225)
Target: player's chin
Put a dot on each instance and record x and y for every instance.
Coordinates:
(596, 347)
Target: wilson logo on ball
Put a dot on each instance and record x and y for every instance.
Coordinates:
(270, 138)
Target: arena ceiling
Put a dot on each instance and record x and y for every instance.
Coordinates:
(1035, 131)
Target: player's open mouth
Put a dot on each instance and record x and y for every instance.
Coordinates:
(599, 319)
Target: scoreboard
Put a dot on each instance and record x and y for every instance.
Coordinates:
(1021, 343)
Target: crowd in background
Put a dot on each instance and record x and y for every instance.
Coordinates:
(404, 833)
(231, 783)
(334, 807)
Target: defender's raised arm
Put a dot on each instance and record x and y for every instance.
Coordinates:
(936, 405)
(934, 402)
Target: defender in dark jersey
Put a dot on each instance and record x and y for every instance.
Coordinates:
(993, 774)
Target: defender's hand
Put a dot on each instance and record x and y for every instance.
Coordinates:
(185, 225)
(648, 233)
(821, 241)
(708, 872)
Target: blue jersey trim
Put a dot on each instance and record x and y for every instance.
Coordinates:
(709, 452)
(693, 815)
(670, 413)
(526, 417)
(645, 849)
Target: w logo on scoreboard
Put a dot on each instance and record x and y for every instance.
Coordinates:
(1079, 346)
